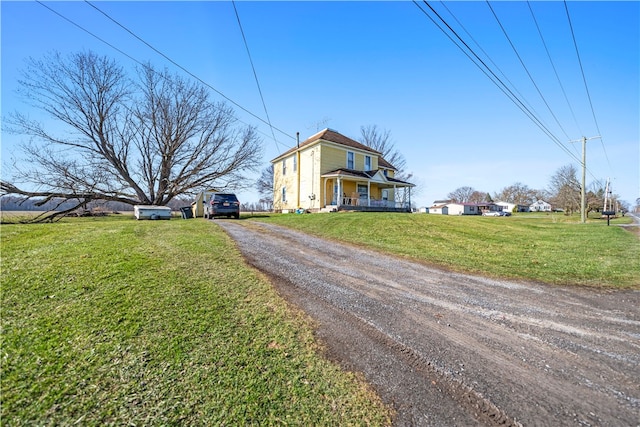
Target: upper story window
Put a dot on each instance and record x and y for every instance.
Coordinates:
(350, 160)
(284, 166)
(384, 171)
(367, 163)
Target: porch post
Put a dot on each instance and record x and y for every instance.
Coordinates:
(339, 195)
(323, 192)
(395, 196)
(369, 193)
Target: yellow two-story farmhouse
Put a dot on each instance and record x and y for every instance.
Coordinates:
(329, 171)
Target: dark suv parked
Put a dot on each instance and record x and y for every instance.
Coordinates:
(222, 204)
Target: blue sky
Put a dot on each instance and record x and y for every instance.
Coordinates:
(347, 64)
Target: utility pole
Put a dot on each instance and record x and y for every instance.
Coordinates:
(607, 202)
(583, 204)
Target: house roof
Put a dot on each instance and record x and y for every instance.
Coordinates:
(349, 172)
(384, 164)
(399, 181)
(367, 175)
(331, 135)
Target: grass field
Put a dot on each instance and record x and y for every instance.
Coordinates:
(111, 321)
(551, 248)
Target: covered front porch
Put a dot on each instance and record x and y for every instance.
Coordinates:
(367, 191)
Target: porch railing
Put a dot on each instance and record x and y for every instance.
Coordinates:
(373, 203)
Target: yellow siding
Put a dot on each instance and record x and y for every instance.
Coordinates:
(360, 161)
(349, 188)
(310, 178)
(375, 192)
(332, 158)
(289, 181)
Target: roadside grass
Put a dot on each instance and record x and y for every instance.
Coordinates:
(550, 248)
(112, 321)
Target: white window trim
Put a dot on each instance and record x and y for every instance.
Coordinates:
(367, 163)
(283, 194)
(353, 160)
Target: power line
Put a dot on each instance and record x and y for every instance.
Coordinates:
(171, 61)
(486, 70)
(127, 55)
(584, 79)
(525, 68)
(553, 66)
(255, 75)
(488, 56)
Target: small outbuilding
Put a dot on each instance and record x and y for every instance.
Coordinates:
(441, 209)
(198, 204)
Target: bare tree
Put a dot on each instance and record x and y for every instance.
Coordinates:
(517, 193)
(264, 186)
(380, 140)
(462, 194)
(564, 189)
(479, 197)
(138, 142)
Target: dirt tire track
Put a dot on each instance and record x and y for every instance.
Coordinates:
(451, 349)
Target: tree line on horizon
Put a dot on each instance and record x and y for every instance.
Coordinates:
(563, 192)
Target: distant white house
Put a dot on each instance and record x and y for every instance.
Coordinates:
(509, 207)
(451, 208)
(464, 209)
(540, 206)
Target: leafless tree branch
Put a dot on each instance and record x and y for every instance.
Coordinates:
(143, 141)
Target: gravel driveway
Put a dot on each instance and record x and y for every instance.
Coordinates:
(451, 349)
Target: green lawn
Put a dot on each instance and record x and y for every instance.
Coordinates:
(551, 248)
(112, 321)
(116, 321)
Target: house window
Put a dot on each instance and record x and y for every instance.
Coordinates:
(367, 163)
(385, 172)
(284, 194)
(350, 160)
(363, 191)
(284, 167)
(295, 163)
